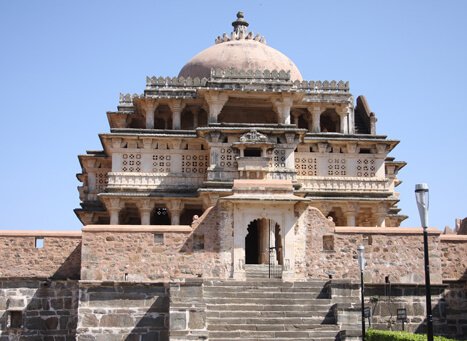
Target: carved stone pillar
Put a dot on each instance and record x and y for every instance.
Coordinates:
(282, 107)
(149, 106)
(176, 106)
(175, 208)
(114, 206)
(315, 119)
(216, 102)
(380, 216)
(145, 212)
(264, 241)
(351, 214)
(343, 113)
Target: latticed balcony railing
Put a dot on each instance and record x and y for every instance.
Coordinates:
(151, 181)
(344, 184)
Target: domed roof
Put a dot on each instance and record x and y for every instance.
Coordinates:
(242, 51)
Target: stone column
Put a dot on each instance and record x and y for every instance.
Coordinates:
(315, 119)
(282, 107)
(176, 106)
(216, 102)
(195, 112)
(114, 206)
(343, 113)
(175, 208)
(272, 241)
(145, 212)
(351, 214)
(149, 106)
(380, 216)
(264, 241)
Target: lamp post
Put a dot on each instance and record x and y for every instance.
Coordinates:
(422, 197)
(361, 264)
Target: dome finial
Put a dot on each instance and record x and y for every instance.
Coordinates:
(240, 25)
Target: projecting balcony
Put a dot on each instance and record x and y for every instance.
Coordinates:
(344, 184)
(253, 163)
(155, 181)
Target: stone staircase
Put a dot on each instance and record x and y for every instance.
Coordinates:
(269, 309)
(256, 271)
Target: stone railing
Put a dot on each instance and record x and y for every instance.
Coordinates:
(150, 181)
(277, 75)
(244, 79)
(343, 184)
(127, 98)
(322, 86)
(167, 82)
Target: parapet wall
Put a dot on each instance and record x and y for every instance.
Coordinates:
(153, 253)
(394, 252)
(453, 250)
(56, 255)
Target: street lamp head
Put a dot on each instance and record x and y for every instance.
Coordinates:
(422, 197)
(361, 257)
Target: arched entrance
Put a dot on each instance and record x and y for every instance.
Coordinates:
(263, 243)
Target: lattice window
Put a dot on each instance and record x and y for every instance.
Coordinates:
(306, 165)
(131, 162)
(278, 159)
(337, 167)
(228, 158)
(195, 163)
(101, 181)
(366, 167)
(161, 163)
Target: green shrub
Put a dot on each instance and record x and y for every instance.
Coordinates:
(386, 335)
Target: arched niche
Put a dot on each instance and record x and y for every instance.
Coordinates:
(330, 122)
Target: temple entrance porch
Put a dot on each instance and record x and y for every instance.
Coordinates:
(263, 242)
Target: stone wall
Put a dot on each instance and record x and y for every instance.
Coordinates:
(394, 252)
(454, 257)
(32, 310)
(123, 311)
(153, 253)
(309, 231)
(59, 258)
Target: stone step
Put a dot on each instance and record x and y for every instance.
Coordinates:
(268, 294)
(274, 283)
(308, 338)
(272, 335)
(278, 313)
(283, 323)
(315, 302)
(316, 327)
(275, 307)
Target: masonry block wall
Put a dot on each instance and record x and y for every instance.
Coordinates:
(33, 310)
(123, 311)
(40, 254)
(153, 253)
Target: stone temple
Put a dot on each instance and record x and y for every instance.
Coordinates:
(228, 203)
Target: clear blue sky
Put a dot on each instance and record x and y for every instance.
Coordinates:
(63, 64)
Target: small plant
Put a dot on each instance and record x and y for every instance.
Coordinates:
(386, 335)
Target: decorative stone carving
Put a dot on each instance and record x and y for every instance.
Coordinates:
(239, 32)
(253, 136)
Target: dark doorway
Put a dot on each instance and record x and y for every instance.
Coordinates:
(160, 216)
(252, 243)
